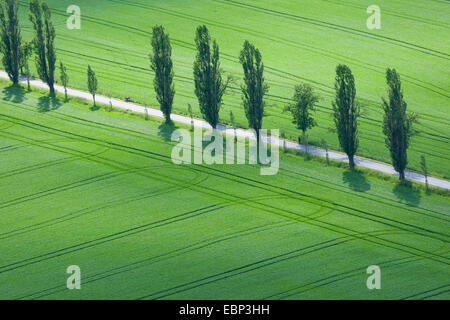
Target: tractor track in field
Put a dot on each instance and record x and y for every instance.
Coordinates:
(104, 239)
(277, 72)
(288, 294)
(169, 255)
(104, 205)
(91, 157)
(278, 39)
(430, 136)
(167, 158)
(238, 271)
(336, 27)
(63, 188)
(283, 100)
(138, 134)
(428, 293)
(208, 242)
(392, 13)
(231, 58)
(300, 196)
(380, 199)
(423, 151)
(51, 163)
(127, 148)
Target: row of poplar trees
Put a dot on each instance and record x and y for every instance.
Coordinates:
(16, 54)
(210, 86)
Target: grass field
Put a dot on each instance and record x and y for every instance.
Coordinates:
(299, 41)
(99, 191)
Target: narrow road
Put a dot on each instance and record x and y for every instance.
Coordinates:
(366, 163)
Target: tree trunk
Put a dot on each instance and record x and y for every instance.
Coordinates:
(258, 142)
(402, 176)
(52, 89)
(351, 162)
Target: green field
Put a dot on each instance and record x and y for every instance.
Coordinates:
(99, 191)
(299, 41)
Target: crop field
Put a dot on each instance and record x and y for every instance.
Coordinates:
(100, 191)
(299, 41)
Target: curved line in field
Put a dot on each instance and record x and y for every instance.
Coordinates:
(393, 203)
(174, 253)
(128, 149)
(329, 226)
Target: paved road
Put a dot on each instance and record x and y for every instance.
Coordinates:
(366, 163)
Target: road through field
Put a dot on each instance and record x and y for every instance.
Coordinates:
(366, 163)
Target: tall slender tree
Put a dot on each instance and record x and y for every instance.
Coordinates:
(346, 112)
(10, 38)
(209, 85)
(44, 43)
(64, 78)
(254, 88)
(161, 63)
(397, 123)
(92, 82)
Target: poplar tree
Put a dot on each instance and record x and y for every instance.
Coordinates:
(44, 43)
(397, 124)
(346, 112)
(209, 85)
(161, 63)
(92, 82)
(10, 45)
(254, 88)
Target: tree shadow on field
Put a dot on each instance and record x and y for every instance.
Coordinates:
(406, 194)
(48, 103)
(94, 107)
(166, 130)
(355, 181)
(14, 93)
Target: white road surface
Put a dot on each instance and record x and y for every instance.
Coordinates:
(366, 163)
